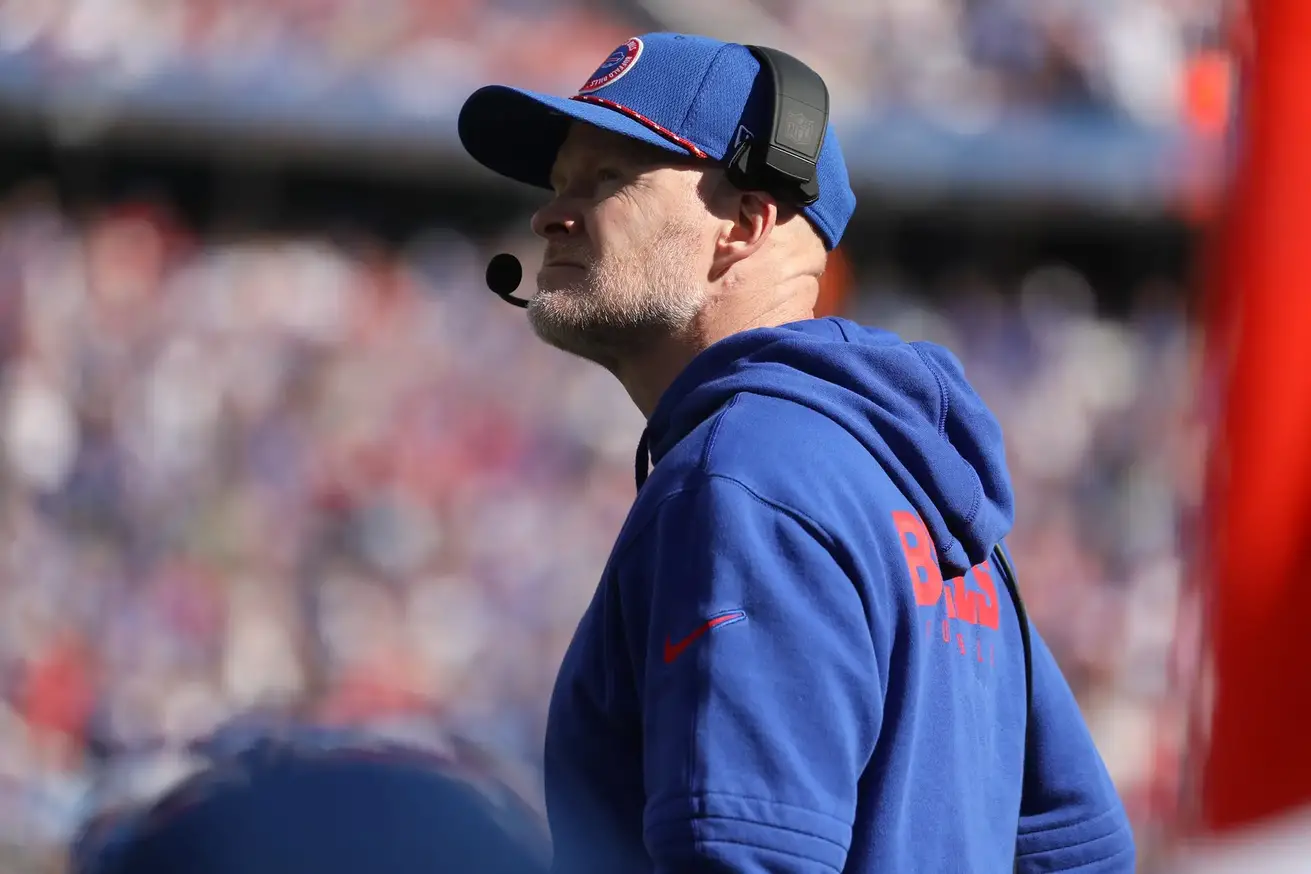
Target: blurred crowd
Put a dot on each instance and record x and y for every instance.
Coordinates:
(1156, 62)
(260, 471)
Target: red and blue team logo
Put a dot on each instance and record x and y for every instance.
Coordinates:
(621, 60)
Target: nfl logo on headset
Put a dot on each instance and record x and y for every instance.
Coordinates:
(621, 60)
(799, 129)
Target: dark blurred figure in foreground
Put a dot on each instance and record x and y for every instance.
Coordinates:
(318, 802)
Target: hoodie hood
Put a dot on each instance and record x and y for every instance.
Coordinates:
(909, 404)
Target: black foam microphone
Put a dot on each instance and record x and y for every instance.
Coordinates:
(504, 273)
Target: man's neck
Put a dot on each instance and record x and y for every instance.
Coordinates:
(647, 379)
(648, 376)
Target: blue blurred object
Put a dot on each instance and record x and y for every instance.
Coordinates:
(321, 801)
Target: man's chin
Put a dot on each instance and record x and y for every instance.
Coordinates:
(575, 331)
(574, 341)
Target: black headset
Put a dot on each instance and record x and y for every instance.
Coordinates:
(785, 162)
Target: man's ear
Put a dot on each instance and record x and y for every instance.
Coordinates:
(750, 219)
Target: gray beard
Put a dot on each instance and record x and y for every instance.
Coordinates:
(617, 312)
(573, 322)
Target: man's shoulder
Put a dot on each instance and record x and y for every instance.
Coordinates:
(757, 434)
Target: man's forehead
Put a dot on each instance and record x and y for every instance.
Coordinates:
(586, 143)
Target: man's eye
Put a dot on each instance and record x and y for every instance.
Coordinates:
(608, 174)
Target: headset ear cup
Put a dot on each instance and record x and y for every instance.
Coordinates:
(785, 165)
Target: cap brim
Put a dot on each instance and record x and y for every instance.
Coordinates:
(517, 133)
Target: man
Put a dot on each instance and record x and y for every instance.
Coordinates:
(773, 675)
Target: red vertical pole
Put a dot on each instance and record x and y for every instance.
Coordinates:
(1257, 552)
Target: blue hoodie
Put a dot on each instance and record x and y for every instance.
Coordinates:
(800, 656)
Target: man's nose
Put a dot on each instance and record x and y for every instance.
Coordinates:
(557, 219)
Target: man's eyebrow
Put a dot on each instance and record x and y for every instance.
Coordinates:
(593, 159)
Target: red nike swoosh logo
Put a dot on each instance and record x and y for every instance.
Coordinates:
(674, 650)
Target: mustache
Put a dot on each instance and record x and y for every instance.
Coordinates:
(567, 256)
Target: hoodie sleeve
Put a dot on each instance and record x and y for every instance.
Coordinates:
(1071, 817)
(760, 690)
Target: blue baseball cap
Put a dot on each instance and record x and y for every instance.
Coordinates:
(689, 94)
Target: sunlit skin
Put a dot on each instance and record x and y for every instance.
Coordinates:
(652, 257)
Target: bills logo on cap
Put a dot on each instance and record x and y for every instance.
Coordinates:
(621, 60)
